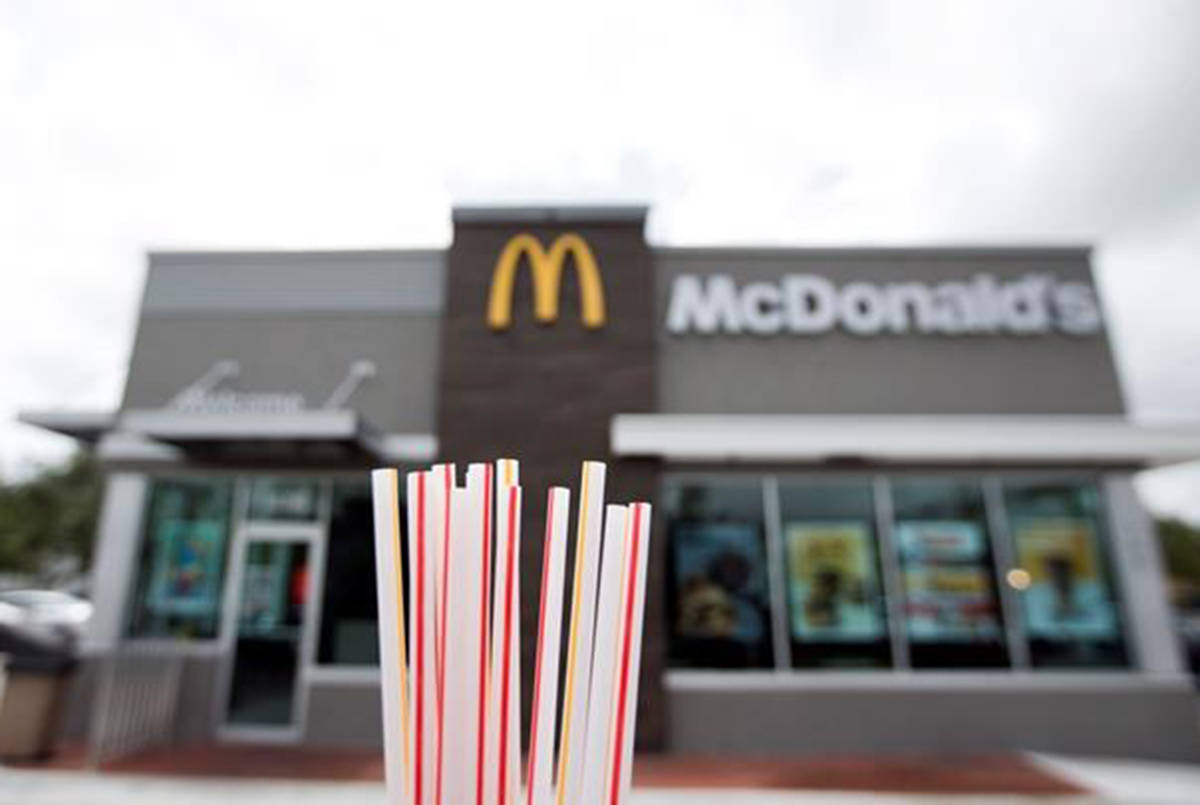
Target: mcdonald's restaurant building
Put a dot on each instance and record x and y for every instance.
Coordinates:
(892, 486)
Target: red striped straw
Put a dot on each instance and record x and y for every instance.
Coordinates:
(539, 779)
(392, 628)
(442, 586)
(419, 633)
(485, 642)
(506, 682)
(577, 681)
(451, 663)
(633, 581)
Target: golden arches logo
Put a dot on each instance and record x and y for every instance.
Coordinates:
(547, 267)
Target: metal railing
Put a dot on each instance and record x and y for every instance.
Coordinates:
(136, 701)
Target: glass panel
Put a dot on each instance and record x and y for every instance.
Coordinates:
(835, 596)
(270, 618)
(181, 572)
(718, 602)
(1071, 613)
(349, 627)
(290, 500)
(952, 611)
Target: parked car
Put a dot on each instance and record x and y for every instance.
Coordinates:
(45, 609)
(11, 614)
(1187, 625)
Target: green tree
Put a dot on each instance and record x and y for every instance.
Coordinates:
(48, 522)
(1181, 554)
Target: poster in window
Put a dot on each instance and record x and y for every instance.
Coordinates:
(264, 586)
(187, 569)
(949, 595)
(940, 540)
(832, 582)
(1067, 597)
(720, 578)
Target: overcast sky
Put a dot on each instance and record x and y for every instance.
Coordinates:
(133, 125)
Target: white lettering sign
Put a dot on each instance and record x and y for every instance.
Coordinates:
(225, 401)
(806, 304)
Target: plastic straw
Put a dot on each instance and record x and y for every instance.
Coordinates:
(464, 625)
(390, 591)
(631, 656)
(422, 517)
(509, 671)
(539, 781)
(579, 645)
(444, 483)
(450, 652)
(483, 735)
(507, 475)
(613, 567)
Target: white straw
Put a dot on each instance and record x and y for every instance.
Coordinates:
(450, 650)
(485, 750)
(422, 517)
(579, 644)
(540, 779)
(507, 475)
(463, 624)
(629, 669)
(389, 587)
(506, 636)
(443, 480)
(613, 564)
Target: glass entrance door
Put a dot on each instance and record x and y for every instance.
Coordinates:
(269, 634)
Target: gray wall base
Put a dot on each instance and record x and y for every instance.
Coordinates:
(77, 713)
(344, 716)
(1155, 721)
(194, 716)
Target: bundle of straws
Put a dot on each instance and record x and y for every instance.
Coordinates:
(449, 639)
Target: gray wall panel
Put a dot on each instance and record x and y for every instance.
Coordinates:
(293, 281)
(840, 373)
(305, 353)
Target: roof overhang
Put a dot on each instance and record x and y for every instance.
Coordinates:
(190, 427)
(317, 434)
(86, 426)
(903, 439)
(165, 435)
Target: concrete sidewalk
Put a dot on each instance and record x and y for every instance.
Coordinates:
(1113, 783)
(35, 787)
(1129, 782)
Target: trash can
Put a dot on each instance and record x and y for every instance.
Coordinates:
(38, 676)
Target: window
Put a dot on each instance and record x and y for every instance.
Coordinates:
(951, 602)
(349, 616)
(836, 611)
(1070, 613)
(979, 577)
(718, 601)
(182, 567)
(283, 499)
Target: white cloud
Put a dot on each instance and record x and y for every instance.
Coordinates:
(131, 125)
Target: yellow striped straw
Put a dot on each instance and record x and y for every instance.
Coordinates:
(572, 649)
